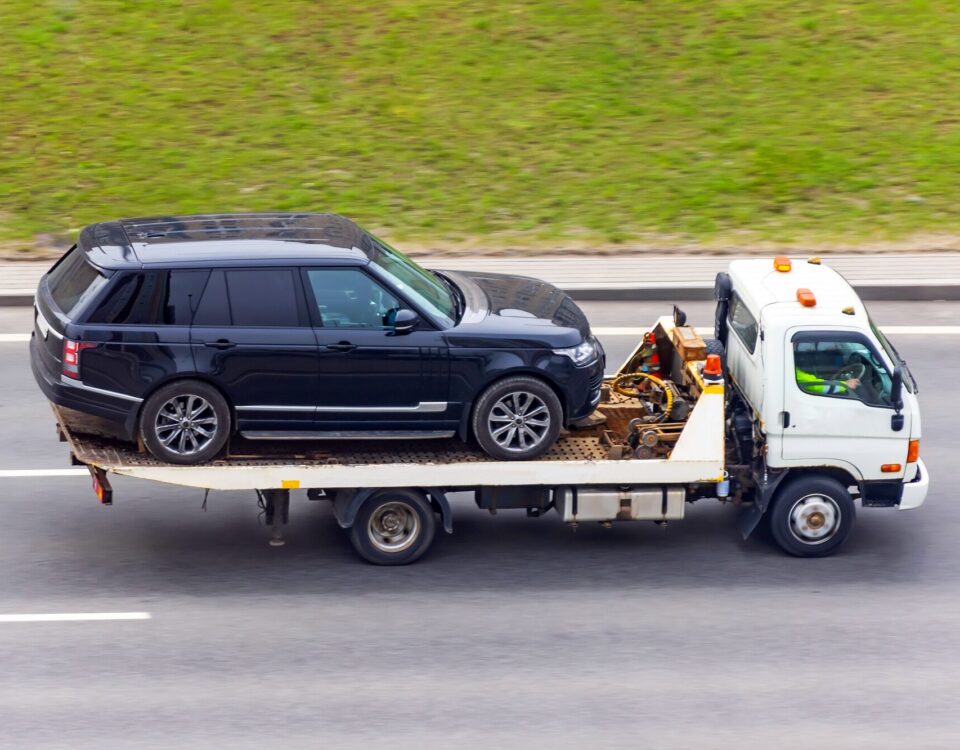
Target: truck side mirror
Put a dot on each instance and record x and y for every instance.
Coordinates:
(896, 389)
(896, 397)
(405, 321)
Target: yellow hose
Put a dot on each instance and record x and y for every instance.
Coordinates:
(619, 387)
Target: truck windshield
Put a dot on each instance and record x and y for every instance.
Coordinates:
(894, 355)
(416, 282)
(73, 281)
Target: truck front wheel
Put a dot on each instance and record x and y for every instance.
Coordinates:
(812, 516)
(393, 527)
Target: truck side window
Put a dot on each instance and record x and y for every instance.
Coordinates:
(743, 323)
(841, 368)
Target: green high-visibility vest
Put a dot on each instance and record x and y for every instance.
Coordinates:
(812, 384)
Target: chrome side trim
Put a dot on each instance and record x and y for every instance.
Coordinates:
(424, 407)
(64, 380)
(264, 407)
(50, 328)
(346, 434)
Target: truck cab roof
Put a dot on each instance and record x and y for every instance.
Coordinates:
(224, 239)
(772, 295)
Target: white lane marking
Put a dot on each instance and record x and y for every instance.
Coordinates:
(21, 473)
(77, 617)
(891, 330)
(14, 338)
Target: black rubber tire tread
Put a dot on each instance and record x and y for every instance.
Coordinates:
(497, 390)
(795, 489)
(148, 416)
(428, 527)
(722, 288)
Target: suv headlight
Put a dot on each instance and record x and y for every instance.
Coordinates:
(582, 354)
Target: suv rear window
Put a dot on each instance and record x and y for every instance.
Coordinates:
(153, 298)
(73, 280)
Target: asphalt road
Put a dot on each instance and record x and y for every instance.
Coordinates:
(512, 633)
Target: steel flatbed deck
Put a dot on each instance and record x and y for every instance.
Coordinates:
(577, 458)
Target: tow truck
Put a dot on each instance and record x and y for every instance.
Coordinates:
(796, 409)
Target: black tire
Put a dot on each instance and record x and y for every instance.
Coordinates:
(198, 448)
(811, 516)
(394, 527)
(493, 410)
(722, 288)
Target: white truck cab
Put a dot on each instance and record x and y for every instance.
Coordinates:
(828, 396)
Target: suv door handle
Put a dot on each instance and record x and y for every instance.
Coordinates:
(342, 346)
(785, 417)
(219, 344)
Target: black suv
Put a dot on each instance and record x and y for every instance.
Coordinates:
(180, 331)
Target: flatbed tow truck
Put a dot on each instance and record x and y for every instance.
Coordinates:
(681, 420)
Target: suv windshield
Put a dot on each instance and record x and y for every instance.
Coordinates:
(73, 280)
(417, 283)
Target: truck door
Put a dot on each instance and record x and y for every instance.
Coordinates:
(837, 404)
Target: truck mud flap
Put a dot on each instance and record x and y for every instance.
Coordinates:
(750, 515)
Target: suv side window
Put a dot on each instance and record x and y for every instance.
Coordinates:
(841, 367)
(348, 298)
(251, 298)
(152, 298)
(741, 320)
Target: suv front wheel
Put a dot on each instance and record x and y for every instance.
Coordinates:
(517, 418)
(186, 422)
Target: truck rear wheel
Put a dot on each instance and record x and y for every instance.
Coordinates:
(812, 516)
(393, 527)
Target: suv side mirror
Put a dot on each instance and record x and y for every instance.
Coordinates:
(405, 321)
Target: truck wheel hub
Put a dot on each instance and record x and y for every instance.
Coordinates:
(814, 519)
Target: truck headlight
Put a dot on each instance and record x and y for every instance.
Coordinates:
(582, 354)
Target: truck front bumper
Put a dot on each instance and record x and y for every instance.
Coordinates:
(915, 491)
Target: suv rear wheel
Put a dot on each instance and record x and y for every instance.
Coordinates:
(517, 418)
(186, 422)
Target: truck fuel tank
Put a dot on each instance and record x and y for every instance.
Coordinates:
(616, 504)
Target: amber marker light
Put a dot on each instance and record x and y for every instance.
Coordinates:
(913, 452)
(805, 297)
(782, 263)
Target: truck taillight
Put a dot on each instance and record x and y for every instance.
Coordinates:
(913, 452)
(71, 357)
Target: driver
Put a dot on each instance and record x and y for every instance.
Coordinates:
(810, 383)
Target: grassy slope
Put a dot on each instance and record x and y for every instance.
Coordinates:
(524, 122)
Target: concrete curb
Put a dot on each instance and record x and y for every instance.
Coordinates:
(867, 292)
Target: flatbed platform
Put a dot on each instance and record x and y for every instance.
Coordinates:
(578, 458)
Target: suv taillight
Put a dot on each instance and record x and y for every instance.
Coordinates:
(71, 357)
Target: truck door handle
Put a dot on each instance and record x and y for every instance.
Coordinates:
(220, 344)
(342, 346)
(785, 417)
